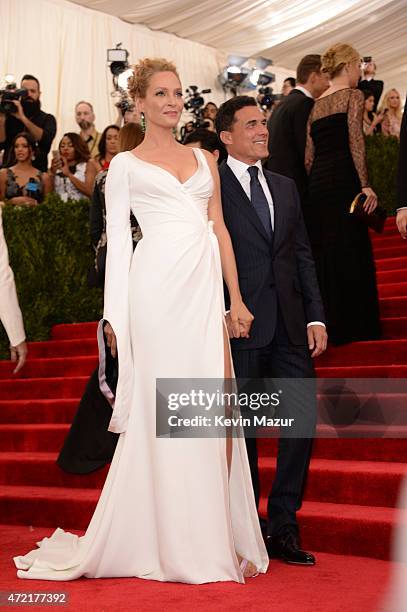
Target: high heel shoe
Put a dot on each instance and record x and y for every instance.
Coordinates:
(243, 566)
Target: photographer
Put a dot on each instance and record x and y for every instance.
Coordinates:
(28, 117)
(369, 82)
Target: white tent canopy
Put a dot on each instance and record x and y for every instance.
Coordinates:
(282, 30)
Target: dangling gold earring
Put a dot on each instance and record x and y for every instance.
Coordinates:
(143, 122)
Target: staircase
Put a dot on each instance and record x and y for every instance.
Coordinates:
(350, 503)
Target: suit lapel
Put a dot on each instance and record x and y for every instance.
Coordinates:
(238, 197)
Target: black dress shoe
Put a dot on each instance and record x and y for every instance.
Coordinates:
(287, 548)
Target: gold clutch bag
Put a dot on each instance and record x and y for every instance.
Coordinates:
(375, 220)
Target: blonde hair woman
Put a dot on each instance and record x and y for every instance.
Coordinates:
(172, 509)
(336, 163)
(393, 111)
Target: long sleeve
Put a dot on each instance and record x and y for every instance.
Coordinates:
(118, 261)
(356, 136)
(309, 147)
(10, 313)
(402, 163)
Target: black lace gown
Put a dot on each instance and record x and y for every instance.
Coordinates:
(335, 160)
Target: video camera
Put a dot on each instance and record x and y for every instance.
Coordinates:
(194, 104)
(8, 94)
(266, 97)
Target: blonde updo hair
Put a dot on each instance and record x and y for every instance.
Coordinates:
(335, 58)
(143, 71)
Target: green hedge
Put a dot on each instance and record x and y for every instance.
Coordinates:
(50, 254)
(50, 250)
(382, 154)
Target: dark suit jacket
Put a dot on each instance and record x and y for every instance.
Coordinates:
(376, 87)
(402, 165)
(287, 135)
(283, 267)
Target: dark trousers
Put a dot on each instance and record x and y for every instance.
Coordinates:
(280, 359)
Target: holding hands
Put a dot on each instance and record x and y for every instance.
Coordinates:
(239, 320)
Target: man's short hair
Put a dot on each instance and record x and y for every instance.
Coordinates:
(30, 77)
(290, 80)
(309, 64)
(209, 140)
(226, 113)
(84, 102)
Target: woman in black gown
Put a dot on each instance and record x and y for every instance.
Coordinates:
(336, 163)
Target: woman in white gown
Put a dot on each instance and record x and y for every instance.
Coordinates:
(171, 509)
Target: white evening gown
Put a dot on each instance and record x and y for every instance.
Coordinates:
(168, 510)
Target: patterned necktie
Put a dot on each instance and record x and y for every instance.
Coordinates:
(259, 200)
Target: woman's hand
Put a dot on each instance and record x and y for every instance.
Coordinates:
(378, 118)
(371, 201)
(110, 338)
(56, 165)
(240, 320)
(64, 167)
(23, 200)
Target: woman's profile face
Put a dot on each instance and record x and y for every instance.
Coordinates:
(112, 141)
(67, 149)
(393, 99)
(369, 104)
(22, 149)
(163, 103)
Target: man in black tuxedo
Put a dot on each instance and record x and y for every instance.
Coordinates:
(369, 82)
(279, 285)
(401, 217)
(288, 123)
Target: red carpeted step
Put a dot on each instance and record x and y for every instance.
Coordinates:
(394, 327)
(41, 469)
(74, 331)
(392, 289)
(48, 506)
(33, 437)
(354, 449)
(364, 483)
(63, 348)
(393, 307)
(393, 263)
(372, 371)
(398, 250)
(386, 239)
(345, 528)
(38, 411)
(391, 276)
(39, 388)
(391, 352)
(52, 367)
(336, 528)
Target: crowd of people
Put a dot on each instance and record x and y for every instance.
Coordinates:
(265, 202)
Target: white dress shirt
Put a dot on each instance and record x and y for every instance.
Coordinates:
(304, 91)
(240, 170)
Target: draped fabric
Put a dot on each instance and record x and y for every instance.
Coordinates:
(281, 30)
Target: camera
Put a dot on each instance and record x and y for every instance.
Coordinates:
(7, 96)
(125, 103)
(194, 104)
(266, 98)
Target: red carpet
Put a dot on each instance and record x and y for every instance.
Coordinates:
(349, 506)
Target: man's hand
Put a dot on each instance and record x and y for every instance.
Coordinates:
(18, 353)
(20, 112)
(401, 221)
(110, 338)
(317, 339)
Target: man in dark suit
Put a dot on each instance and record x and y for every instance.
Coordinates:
(401, 217)
(288, 123)
(369, 82)
(279, 286)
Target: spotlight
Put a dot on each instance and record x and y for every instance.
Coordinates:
(118, 65)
